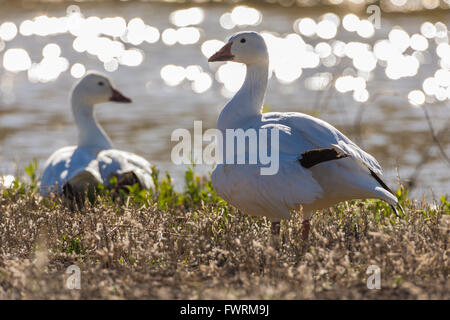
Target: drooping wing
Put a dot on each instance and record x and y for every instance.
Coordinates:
(117, 162)
(323, 135)
(77, 165)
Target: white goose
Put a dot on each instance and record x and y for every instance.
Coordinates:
(318, 165)
(93, 160)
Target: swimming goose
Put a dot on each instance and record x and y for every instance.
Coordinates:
(318, 165)
(93, 160)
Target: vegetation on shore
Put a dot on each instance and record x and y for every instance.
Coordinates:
(191, 244)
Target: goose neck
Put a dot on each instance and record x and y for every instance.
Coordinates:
(254, 88)
(248, 101)
(90, 133)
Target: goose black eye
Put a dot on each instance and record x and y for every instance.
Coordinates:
(243, 40)
(101, 83)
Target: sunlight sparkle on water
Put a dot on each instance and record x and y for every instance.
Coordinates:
(365, 29)
(400, 39)
(443, 50)
(26, 28)
(240, 16)
(131, 57)
(135, 31)
(338, 48)
(326, 29)
(354, 48)
(193, 72)
(428, 30)
(209, 47)
(187, 17)
(349, 83)
(284, 53)
(366, 61)
(438, 86)
(78, 70)
(151, 34)
(226, 21)
(350, 22)
(306, 27)
(201, 83)
(246, 16)
(188, 35)
(184, 36)
(108, 40)
(442, 77)
(334, 18)
(173, 75)
(383, 49)
(8, 31)
(114, 27)
(16, 60)
(361, 95)
(323, 49)
(416, 98)
(318, 82)
(330, 61)
(363, 58)
(441, 30)
(48, 69)
(419, 42)
(400, 66)
(430, 86)
(51, 65)
(111, 65)
(51, 50)
(169, 36)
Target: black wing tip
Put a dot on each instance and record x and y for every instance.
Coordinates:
(396, 211)
(381, 182)
(313, 157)
(385, 187)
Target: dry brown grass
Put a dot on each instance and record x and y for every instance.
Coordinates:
(214, 252)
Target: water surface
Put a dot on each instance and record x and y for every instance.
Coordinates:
(362, 91)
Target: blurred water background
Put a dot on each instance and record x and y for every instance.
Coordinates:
(327, 60)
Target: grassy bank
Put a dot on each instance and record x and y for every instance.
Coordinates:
(166, 244)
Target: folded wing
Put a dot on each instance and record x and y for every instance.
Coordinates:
(321, 134)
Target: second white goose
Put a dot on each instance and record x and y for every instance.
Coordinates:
(318, 165)
(93, 160)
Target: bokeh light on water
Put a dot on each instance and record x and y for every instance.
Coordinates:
(106, 39)
(157, 53)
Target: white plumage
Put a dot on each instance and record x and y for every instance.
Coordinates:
(94, 160)
(84, 166)
(354, 176)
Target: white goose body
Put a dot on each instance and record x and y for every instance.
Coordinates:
(354, 176)
(93, 160)
(314, 188)
(85, 166)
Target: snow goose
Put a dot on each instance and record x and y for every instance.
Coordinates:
(71, 170)
(318, 165)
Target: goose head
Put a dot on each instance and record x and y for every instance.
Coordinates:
(95, 88)
(246, 47)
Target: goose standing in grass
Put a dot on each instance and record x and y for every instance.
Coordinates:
(72, 170)
(318, 165)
